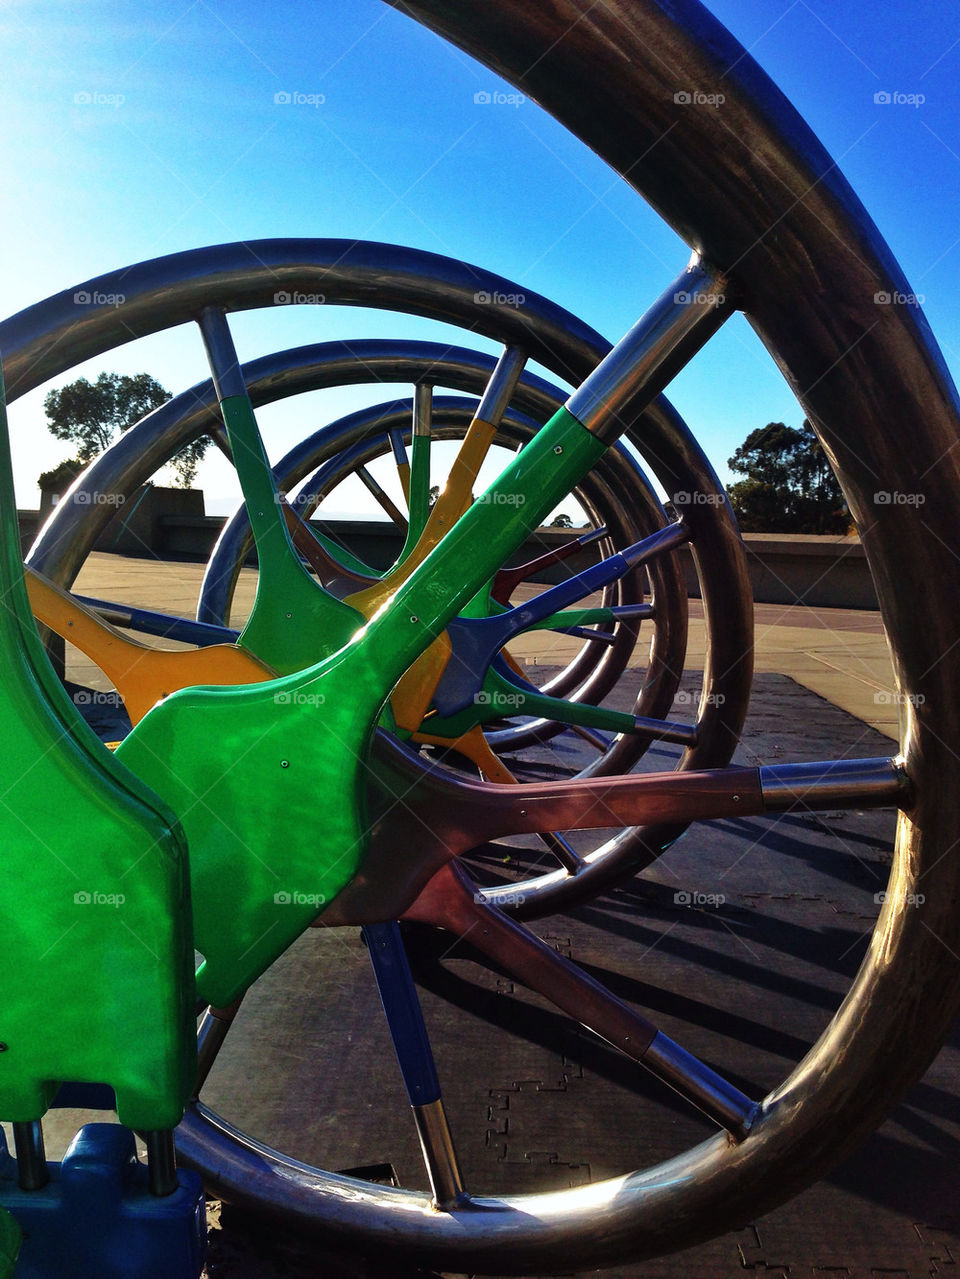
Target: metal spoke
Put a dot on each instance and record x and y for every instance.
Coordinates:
(222, 440)
(647, 358)
(451, 901)
(565, 853)
(399, 451)
(401, 1005)
(419, 504)
(596, 740)
(503, 381)
(443, 817)
(383, 499)
(214, 1027)
(508, 579)
(31, 1158)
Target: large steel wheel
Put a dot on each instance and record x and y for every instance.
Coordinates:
(46, 340)
(751, 188)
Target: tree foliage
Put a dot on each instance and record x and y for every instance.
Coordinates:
(92, 414)
(562, 521)
(788, 485)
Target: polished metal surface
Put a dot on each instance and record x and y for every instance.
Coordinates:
(161, 1163)
(660, 436)
(841, 783)
(221, 353)
(31, 1158)
(423, 408)
(439, 1155)
(651, 354)
(43, 340)
(762, 200)
(696, 1082)
(499, 390)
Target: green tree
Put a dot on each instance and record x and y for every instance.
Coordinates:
(562, 521)
(788, 485)
(91, 414)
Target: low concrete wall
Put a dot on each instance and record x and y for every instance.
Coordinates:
(799, 568)
(785, 568)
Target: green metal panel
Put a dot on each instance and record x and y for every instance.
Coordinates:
(96, 949)
(269, 780)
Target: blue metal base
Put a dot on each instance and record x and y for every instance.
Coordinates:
(96, 1218)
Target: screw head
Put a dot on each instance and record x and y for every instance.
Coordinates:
(284, 763)
(414, 618)
(558, 448)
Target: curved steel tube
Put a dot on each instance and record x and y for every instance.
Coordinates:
(758, 195)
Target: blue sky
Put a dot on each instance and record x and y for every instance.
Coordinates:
(133, 131)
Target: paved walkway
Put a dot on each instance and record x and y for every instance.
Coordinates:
(748, 983)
